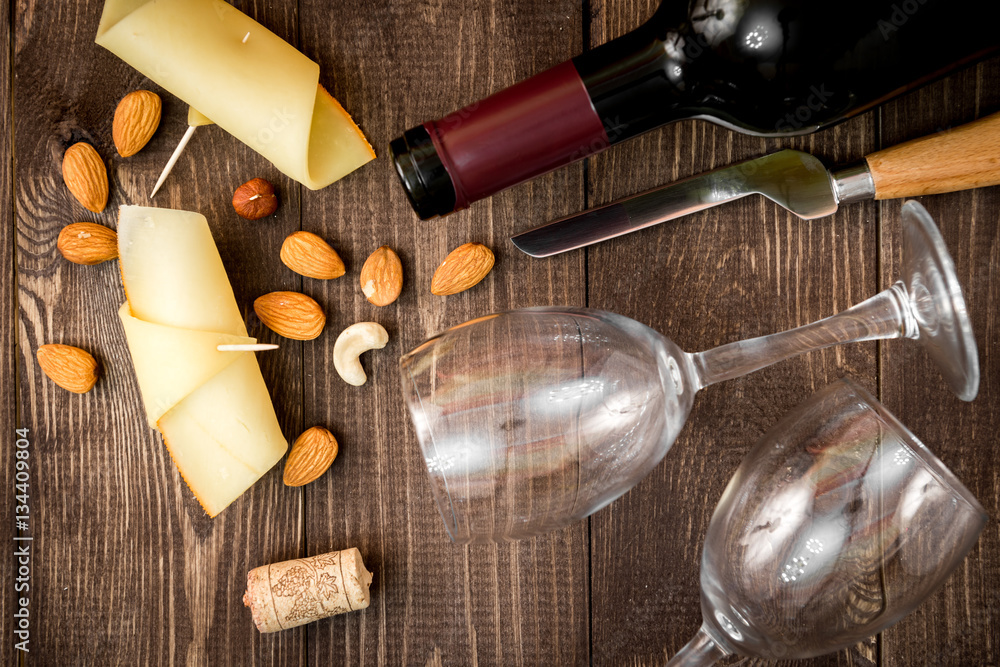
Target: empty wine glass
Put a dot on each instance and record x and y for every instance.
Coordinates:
(837, 524)
(531, 419)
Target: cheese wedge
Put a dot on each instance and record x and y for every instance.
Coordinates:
(245, 78)
(212, 407)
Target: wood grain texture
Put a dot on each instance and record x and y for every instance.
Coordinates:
(746, 269)
(148, 575)
(127, 568)
(963, 157)
(8, 343)
(523, 604)
(960, 625)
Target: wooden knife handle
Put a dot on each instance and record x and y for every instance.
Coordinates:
(958, 159)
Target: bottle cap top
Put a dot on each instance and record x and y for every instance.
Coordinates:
(427, 183)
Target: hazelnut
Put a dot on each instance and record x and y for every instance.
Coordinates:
(255, 199)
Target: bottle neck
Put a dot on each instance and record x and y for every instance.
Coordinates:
(518, 133)
(635, 82)
(765, 67)
(550, 120)
(521, 132)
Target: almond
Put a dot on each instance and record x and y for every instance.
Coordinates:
(87, 243)
(255, 199)
(290, 314)
(311, 455)
(69, 367)
(382, 276)
(136, 119)
(464, 266)
(84, 174)
(307, 254)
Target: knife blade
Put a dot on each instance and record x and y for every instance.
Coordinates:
(965, 157)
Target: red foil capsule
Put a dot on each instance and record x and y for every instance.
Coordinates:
(512, 136)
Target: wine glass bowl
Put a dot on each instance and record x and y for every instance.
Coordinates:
(531, 419)
(837, 524)
(534, 418)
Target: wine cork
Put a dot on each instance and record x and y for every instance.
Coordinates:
(295, 592)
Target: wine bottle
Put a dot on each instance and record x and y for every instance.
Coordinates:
(764, 67)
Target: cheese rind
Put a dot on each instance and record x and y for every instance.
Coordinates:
(245, 78)
(212, 407)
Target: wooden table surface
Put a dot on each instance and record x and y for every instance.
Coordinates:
(127, 569)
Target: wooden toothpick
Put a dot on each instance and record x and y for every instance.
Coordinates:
(173, 159)
(195, 120)
(255, 347)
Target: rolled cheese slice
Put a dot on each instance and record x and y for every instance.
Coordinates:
(212, 407)
(170, 362)
(245, 78)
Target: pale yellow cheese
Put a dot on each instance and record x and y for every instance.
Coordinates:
(172, 271)
(212, 407)
(245, 78)
(224, 436)
(197, 118)
(170, 362)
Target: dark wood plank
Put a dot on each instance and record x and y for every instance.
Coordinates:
(128, 570)
(149, 576)
(8, 362)
(961, 623)
(742, 270)
(394, 65)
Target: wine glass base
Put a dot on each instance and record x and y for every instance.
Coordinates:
(936, 302)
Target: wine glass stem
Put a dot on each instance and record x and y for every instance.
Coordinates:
(701, 651)
(885, 315)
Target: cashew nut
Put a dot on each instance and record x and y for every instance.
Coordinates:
(351, 343)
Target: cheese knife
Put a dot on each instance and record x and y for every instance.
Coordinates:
(957, 159)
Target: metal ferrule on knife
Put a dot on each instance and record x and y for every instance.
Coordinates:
(853, 183)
